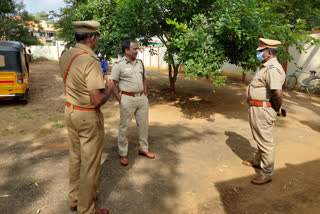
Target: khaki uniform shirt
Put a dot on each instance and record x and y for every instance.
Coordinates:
(85, 74)
(270, 76)
(129, 76)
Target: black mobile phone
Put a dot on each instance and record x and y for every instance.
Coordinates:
(283, 112)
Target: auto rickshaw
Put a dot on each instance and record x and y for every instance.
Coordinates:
(14, 70)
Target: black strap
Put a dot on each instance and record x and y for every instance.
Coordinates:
(142, 67)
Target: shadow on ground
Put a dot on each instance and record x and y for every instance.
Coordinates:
(145, 185)
(196, 98)
(240, 145)
(22, 181)
(295, 189)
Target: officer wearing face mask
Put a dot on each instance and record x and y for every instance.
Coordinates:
(264, 96)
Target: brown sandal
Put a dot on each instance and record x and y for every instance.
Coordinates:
(102, 211)
(73, 208)
(251, 164)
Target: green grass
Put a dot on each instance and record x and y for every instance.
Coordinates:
(58, 126)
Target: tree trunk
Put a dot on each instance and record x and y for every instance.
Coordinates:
(173, 76)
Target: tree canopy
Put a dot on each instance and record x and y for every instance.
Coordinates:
(201, 34)
(229, 32)
(12, 27)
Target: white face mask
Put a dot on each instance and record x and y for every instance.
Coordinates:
(259, 56)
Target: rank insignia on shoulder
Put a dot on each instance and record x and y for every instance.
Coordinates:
(93, 56)
(120, 60)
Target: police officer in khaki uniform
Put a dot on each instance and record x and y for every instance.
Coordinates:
(85, 93)
(265, 100)
(129, 73)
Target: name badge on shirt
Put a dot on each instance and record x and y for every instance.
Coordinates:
(127, 69)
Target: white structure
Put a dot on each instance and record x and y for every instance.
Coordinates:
(49, 52)
(153, 61)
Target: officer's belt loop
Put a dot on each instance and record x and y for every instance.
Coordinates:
(132, 94)
(260, 103)
(80, 108)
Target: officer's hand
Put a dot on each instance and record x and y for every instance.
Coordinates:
(279, 113)
(109, 83)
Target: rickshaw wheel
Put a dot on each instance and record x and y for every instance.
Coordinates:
(25, 98)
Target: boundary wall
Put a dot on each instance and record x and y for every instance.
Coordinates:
(49, 52)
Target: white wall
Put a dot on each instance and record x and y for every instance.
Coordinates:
(309, 60)
(154, 62)
(49, 52)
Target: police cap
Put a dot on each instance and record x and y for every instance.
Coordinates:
(268, 43)
(86, 26)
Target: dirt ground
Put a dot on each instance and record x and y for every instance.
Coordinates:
(199, 138)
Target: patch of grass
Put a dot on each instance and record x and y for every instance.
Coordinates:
(58, 126)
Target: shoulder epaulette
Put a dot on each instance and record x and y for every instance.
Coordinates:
(94, 56)
(273, 66)
(120, 60)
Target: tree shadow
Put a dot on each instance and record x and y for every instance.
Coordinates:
(25, 177)
(239, 145)
(196, 98)
(295, 189)
(145, 185)
(310, 103)
(315, 125)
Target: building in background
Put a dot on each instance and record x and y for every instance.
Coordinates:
(44, 30)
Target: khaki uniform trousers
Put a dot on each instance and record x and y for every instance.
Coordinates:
(138, 107)
(262, 121)
(86, 133)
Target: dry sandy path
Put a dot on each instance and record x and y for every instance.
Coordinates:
(199, 137)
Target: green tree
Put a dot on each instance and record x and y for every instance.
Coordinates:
(145, 19)
(12, 28)
(7, 7)
(42, 15)
(99, 10)
(125, 19)
(295, 10)
(229, 31)
(26, 16)
(201, 34)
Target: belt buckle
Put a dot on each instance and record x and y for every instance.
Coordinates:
(138, 94)
(264, 104)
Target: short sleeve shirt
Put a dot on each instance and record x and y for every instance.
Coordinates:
(129, 76)
(85, 74)
(270, 76)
